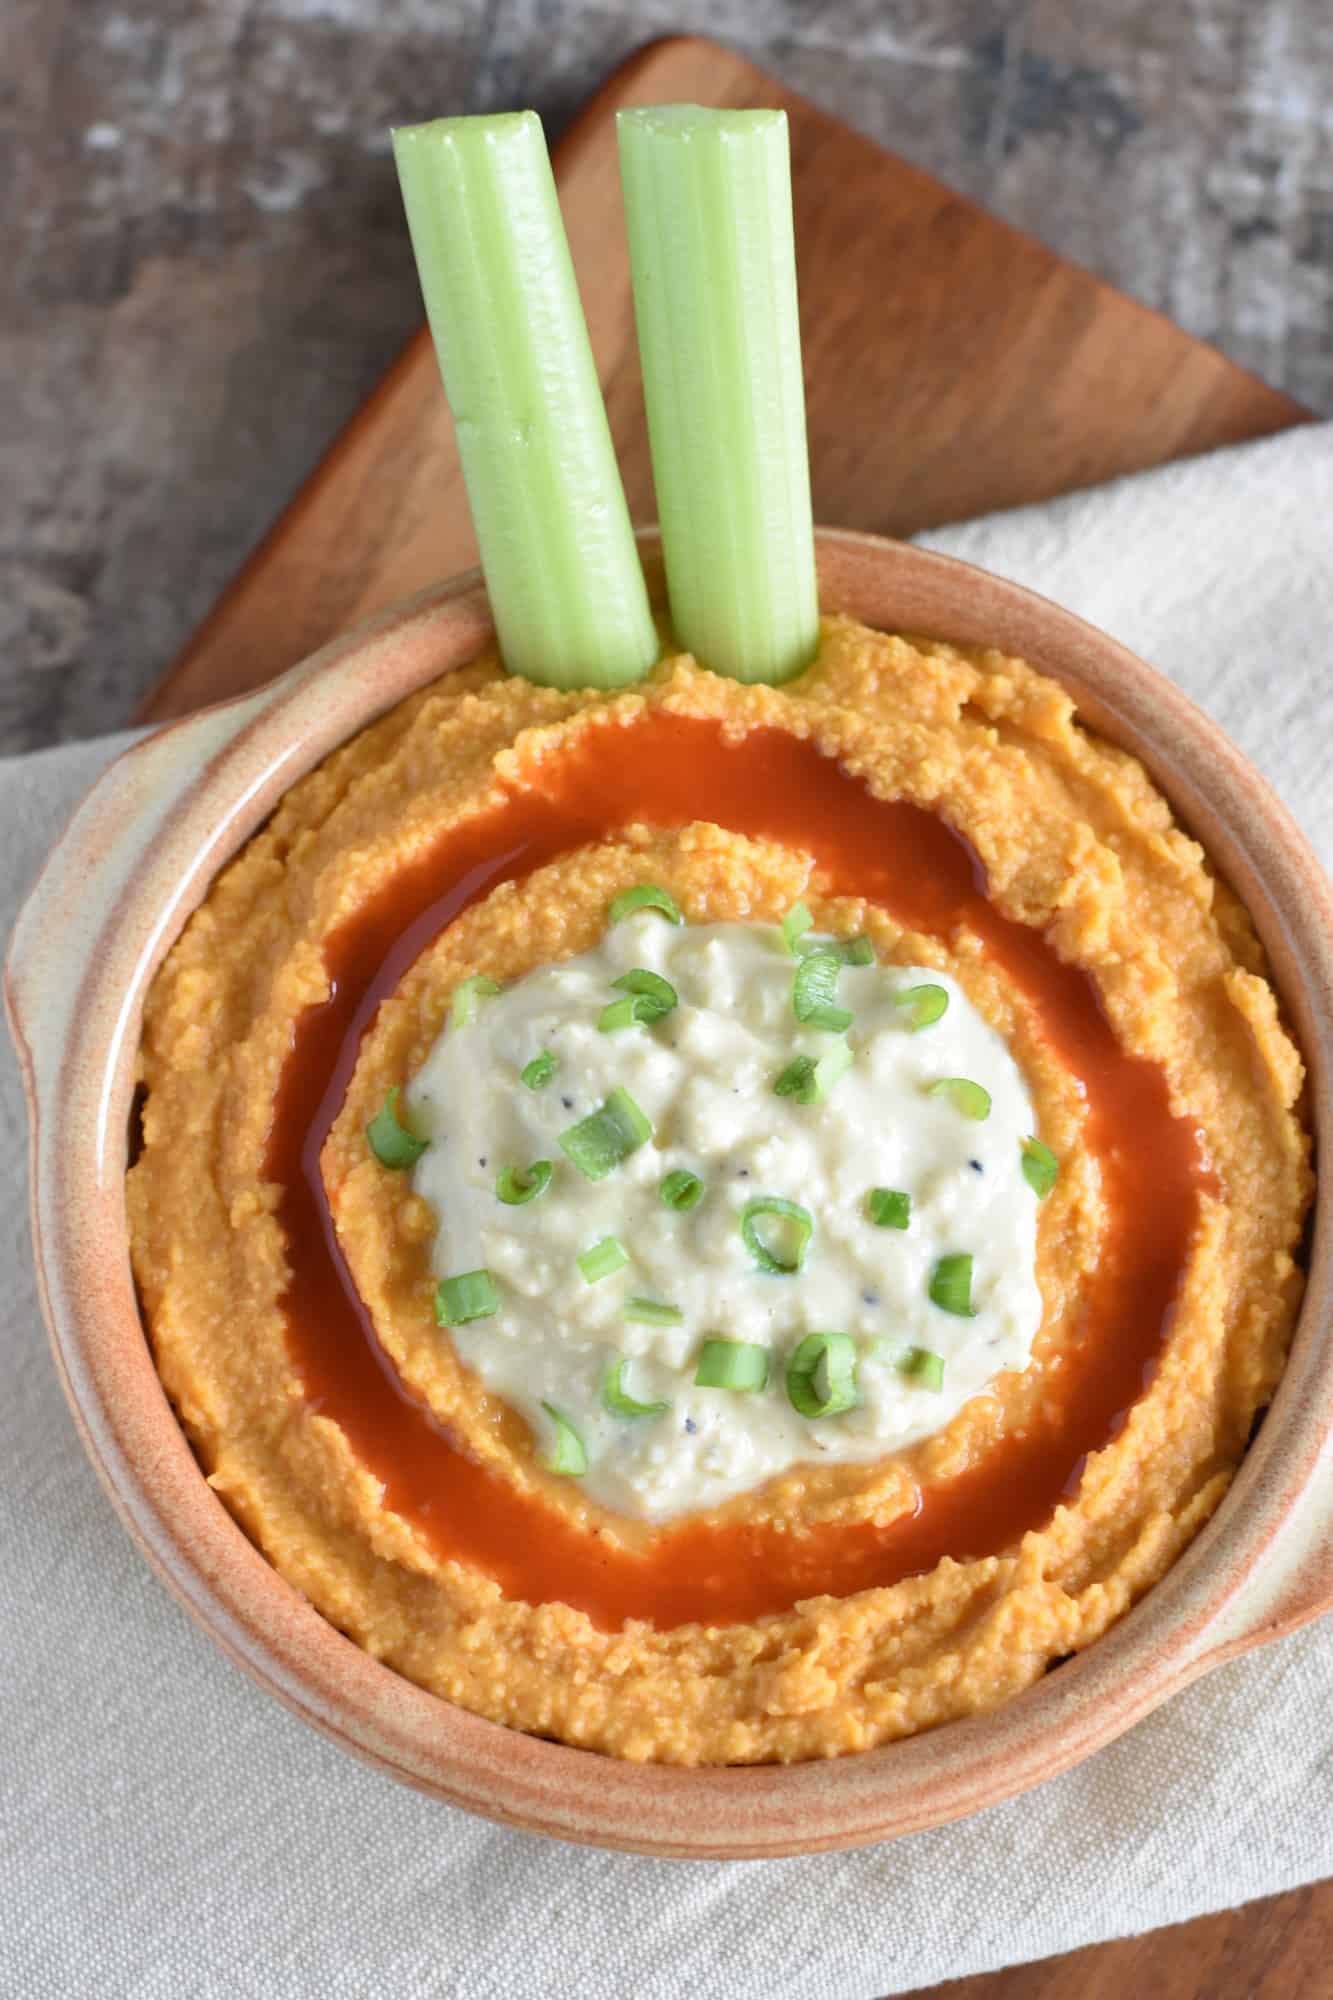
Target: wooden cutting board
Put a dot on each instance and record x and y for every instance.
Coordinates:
(952, 366)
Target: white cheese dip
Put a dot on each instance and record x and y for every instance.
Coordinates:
(704, 1077)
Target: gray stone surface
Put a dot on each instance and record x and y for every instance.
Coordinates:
(203, 267)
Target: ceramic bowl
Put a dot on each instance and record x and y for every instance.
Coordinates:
(138, 857)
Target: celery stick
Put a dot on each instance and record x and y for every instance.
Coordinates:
(566, 586)
(708, 204)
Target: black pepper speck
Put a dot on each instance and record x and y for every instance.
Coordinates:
(976, 1166)
(568, 1103)
(870, 1298)
(691, 1426)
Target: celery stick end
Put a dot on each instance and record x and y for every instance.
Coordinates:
(685, 121)
(435, 133)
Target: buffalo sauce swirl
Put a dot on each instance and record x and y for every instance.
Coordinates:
(667, 770)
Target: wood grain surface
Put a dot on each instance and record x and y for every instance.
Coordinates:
(1000, 374)
(1279, 1949)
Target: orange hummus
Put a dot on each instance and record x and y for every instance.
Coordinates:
(853, 1604)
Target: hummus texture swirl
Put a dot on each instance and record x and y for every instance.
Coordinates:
(1075, 843)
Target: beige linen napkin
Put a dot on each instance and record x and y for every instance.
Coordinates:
(169, 1830)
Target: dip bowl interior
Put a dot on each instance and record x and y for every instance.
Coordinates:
(138, 858)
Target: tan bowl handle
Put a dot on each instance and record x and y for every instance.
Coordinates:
(86, 875)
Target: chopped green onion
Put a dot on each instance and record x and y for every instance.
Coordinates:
(821, 1375)
(624, 1013)
(795, 924)
(834, 1020)
(926, 1004)
(708, 204)
(681, 1190)
(649, 986)
(796, 1225)
(732, 1364)
(889, 1208)
(568, 1453)
(648, 1312)
(923, 1366)
(604, 1138)
(951, 1286)
(514, 1187)
(797, 1080)
(645, 896)
(389, 1139)
(847, 951)
(810, 1082)
(814, 990)
(619, 1403)
(471, 1295)
(468, 996)
(965, 1096)
(538, 1073)
(648, 998)
(1041, 1169)
(832, 1065)
(603, 1260)
(564, 577)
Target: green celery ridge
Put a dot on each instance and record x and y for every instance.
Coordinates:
(712, 256)
(566, 586)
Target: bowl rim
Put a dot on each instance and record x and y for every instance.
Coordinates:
(76, 1068)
